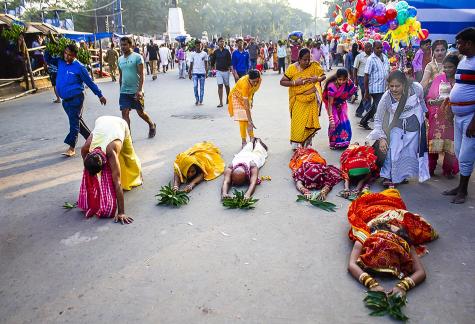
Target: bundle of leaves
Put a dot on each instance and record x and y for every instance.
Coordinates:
(191, 44)
(382, 304)
(238, 201)
(13, 33)
(169, 197)
(325, 205)
(68, 206)
(56, 48)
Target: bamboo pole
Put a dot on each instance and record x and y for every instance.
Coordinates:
(18, 95)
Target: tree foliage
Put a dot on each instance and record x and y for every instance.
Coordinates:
(264, 18)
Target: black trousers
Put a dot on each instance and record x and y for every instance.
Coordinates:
(376, 99)
(282, 64)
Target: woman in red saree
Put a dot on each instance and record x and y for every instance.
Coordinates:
(385, 236)
(441, 125)
(310, 171)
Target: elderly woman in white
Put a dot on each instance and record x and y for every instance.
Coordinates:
(400, 131)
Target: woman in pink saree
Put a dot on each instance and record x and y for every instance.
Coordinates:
(441, 127)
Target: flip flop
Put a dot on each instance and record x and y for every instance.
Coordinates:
(66, 154)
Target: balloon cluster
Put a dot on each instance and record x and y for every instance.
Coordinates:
(397, 20)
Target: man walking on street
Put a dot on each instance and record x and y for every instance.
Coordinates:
(131, 77)
(281, 54)
(221, 59)
(240, 61)
(376, 73)
(181, 58)
(198, 71)
(164, 56)
(253, 50)
(152, 51)
(358, 74)
(70, 86)
(111, 58)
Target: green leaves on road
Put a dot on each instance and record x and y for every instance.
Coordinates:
(238, 201)
(325, 205)
(169, 197)
(381, 304)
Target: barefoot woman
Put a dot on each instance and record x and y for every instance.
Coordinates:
(303, 80)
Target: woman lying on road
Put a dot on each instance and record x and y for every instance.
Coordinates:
(310, 171)
(201, 162)
(386, 236)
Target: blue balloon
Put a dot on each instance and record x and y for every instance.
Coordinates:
(384, 28)
(411, 11)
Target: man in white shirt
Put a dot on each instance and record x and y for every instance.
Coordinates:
(164, 53)
(326, 53)
(358, 74)
(198, 71)
(281, 54)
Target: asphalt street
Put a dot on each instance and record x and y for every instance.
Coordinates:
(283, 262)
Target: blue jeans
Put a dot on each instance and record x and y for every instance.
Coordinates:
(364, 104)
(253, 63)
(73, 108)
(464, 146)
(201, 79)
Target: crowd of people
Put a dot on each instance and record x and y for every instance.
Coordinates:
(422, 106)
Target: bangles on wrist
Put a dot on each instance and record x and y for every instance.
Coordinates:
(368, 281)
(406, 284)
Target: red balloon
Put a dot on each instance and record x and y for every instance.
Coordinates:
(424, 34)
(381, 19)
(391, 14)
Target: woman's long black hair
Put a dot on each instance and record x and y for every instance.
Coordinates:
(340, 73)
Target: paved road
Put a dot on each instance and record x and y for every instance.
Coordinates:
(284, 262)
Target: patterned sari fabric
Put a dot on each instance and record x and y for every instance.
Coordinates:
(302, 155)
(311, 169)
(204, 155)
(304, 103)
(441, 129)
(358, 160)
(340, 135)
(98, 198)
(386, 248)
(242, 90)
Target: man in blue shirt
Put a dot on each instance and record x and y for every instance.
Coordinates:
(240, 61)
(131, 85)
(70, 86)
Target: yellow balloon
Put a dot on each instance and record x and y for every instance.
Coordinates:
(410, 21)
(339, 19)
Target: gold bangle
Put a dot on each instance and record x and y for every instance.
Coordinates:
(375, 284)
(401, 286)
(362, 277)
(411, 282)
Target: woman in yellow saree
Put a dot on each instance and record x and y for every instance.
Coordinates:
(202, 161)
(240, 103)
(305, 97)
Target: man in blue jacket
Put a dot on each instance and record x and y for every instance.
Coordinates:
(70, 86)
(240, 61)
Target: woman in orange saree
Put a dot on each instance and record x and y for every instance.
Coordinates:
(310, 171)
(385, 236)
(303, 80)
